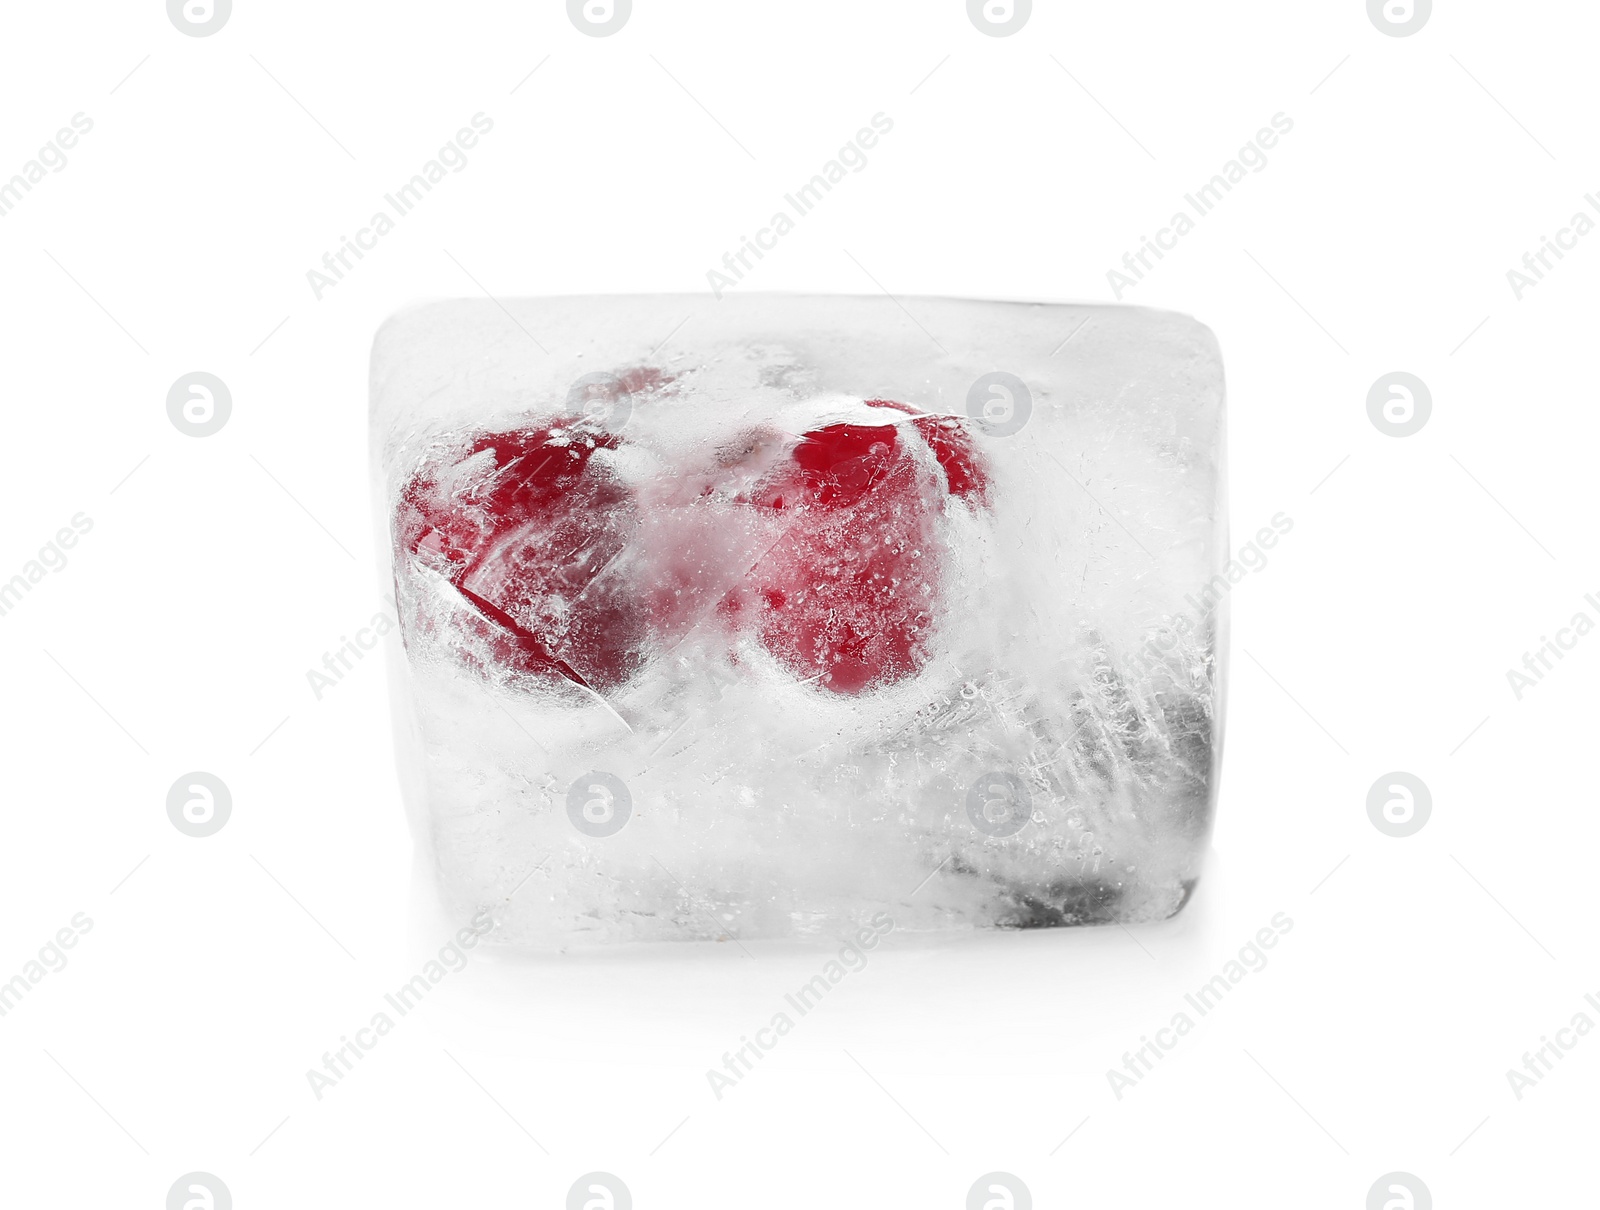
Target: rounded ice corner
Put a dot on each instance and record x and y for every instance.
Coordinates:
(1203, 338)
(400, 331)
(1187, 887)
(1196, 330)
(414, 314)
(1183, 332)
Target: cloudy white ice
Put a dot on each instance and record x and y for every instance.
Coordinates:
(737, 664)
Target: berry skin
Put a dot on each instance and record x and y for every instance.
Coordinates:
(524, 524)
(849, 595)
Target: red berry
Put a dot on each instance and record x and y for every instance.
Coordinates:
(524, 523)
(951, 445)
(849, 595)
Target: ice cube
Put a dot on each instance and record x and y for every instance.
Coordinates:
(814, 612)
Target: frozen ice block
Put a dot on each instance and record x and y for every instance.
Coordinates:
(768, 616)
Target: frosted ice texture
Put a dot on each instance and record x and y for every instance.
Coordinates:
(768, 628)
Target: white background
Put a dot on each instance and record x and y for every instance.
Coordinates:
(219, 570)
